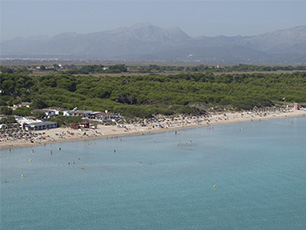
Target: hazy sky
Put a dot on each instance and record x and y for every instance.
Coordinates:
(210, 18)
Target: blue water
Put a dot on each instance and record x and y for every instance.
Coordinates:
(150, 182)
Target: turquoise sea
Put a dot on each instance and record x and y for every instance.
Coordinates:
(238, 176)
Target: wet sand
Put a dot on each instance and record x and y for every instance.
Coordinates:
(160, 124)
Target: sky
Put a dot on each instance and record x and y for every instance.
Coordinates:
(196, 18)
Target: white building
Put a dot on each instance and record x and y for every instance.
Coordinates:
(36, 124)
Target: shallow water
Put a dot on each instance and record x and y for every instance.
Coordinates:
(152, 182)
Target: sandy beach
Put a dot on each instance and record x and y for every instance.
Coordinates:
(159, 124)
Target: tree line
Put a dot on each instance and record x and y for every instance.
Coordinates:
(144, 95)
(122, 68)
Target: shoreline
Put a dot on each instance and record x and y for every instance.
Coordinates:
(166, 124)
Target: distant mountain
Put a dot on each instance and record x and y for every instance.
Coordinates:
(291, 41)
(145, 42)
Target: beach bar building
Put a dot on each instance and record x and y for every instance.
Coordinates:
(30, 124)
(93, 115)
(78, 113)
(107, 116)
(42, 125)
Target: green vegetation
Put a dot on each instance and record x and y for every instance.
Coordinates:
(22, 69)
(122, 68)
(91, 69)
(159, 69)
(22, 111)
(243, 68)
(248, 68)
(8, 120)
(142, 96)
(84, 69)
(5, 110)
(61, 120)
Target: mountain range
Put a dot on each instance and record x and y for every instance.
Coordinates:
(146, 42)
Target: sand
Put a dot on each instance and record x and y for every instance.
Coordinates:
(160, 124)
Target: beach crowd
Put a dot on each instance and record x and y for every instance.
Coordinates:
(17, 137)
